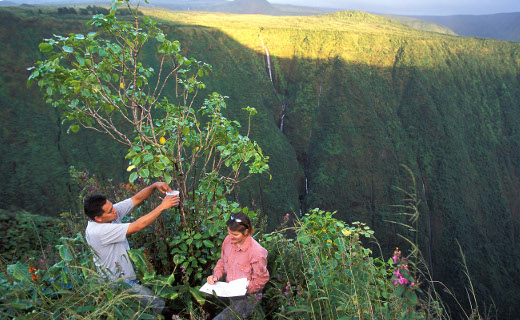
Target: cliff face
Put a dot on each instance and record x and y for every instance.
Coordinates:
(359, 95)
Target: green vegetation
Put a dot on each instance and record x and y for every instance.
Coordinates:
(26, 235)
(325, 272)
(363, 94)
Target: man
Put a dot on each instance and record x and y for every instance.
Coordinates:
(106, 235)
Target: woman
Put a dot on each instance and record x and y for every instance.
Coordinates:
(241, 257)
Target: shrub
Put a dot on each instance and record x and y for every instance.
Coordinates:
(69, 289)
(27, 235)
(326, 272)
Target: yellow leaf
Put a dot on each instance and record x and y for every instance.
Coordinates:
(130, 168)
(121, 85)
(162, 140)
(346, 232)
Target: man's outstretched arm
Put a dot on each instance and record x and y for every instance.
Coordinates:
(150, 217)
(146, 192)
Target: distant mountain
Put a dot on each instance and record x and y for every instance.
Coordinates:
(421, 24)
(248, 6)
(503, 26)
(239, 6)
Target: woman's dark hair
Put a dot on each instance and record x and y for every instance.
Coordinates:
(240, 222)
(93, 206)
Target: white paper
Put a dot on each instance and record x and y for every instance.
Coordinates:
(233, 288)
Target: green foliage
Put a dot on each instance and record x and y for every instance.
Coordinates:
(27, 235)
(69, 289)
(327, 272)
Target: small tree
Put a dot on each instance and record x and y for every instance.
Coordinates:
(101, 82)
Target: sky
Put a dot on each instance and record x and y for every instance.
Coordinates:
(415, 7)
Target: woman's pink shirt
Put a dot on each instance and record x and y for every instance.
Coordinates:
(249, 261)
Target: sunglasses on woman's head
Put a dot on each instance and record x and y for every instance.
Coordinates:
(235, 219)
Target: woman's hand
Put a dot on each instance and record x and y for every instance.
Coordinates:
(212, 279)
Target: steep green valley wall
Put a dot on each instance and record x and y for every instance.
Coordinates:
(362, 96)
(448, 108)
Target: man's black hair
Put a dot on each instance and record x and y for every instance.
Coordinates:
(93, 205)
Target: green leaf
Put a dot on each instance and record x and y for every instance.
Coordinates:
(303, 238)
(185, 131)
(160, 166)
(167, 178)
(74, 128)
(133, 177)
(178, 259)
(208, 244)
(136, 161)
(67, 49)
(412, 297)
(170, 279)
(160, 38)
(196, 294)
(81, 61)
(399, 291)
(19, 271)
(65, 253)
(139, 259)
(144, 173)
(45, 47)
(213, 230)
(148, 158)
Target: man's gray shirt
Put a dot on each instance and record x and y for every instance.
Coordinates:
(108, 240)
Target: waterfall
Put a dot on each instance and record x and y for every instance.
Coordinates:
(306, 185)
(268, 59)
(283, 116)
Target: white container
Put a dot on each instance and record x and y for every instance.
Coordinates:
(173, 193)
